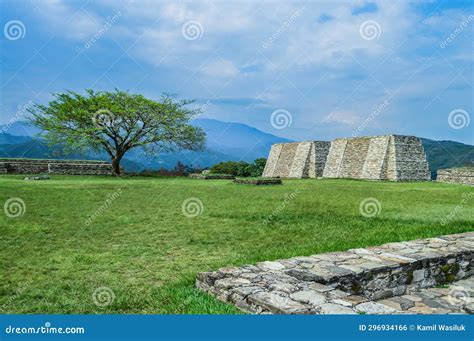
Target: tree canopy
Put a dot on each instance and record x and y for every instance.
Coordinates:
(118, 121)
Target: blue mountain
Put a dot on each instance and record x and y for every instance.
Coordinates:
(225, 141)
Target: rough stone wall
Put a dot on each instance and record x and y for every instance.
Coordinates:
(317, 160)
(285, 160)
(335, 158)
(299, 167)
(354, 158)
(410, 159)
(376, 158)
(463, 176)
(297, 160)
(389, 157)
(70, 167)
(314, 284)
(272, 160)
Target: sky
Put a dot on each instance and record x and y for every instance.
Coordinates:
(303, 70)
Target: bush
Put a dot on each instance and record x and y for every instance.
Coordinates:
(240, 168)
(229, 167)
(257, 167)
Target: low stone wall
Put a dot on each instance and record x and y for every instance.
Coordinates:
(463, 176)
(67, 167)
(336, 280)
(258, 182)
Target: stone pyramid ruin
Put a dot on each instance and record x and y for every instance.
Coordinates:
(388, 157)
(297, 160)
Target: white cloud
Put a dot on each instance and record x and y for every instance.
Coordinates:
(220, 68)
(312, 67)
(62, 20)
(342, 117)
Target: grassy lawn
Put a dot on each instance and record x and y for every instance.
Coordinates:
(70, 241)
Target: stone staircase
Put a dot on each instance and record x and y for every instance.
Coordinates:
(348, 282)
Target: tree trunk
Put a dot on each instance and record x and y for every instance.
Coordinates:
(116, 165)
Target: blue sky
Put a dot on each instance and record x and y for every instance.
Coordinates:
(303, 70)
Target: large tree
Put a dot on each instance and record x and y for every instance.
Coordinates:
(116, 122)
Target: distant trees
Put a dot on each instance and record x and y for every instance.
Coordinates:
(240, 168)
(180, 169)
(116, 122)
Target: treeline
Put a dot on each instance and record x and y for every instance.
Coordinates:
(240, 168)
(236, 168)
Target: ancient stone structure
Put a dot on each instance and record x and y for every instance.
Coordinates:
(41, 166)
(391, 278)
(297, 160)
(389, 157)
(463, 175)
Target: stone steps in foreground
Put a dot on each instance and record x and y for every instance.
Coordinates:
(371, 280)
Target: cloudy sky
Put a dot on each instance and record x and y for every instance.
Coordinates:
(302, 70)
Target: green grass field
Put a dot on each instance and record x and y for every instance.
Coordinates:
(142, 246)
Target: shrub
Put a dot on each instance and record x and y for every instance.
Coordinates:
(230, 167)
(240, 168)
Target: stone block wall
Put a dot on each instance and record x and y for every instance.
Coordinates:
(286, 159)
(69, 167)
(463, 176)
(318, 156)
(354, 158)
(335, 158)
(297, 160)
(389, 157)
(338, 280)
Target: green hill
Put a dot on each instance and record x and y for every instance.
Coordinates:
(447, 154)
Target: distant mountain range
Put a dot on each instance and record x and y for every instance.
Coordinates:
(225, 141)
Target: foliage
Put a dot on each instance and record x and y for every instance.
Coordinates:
(116, 122)
(240, 168)
(179, 170)
(148, 252)
(256, 168)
